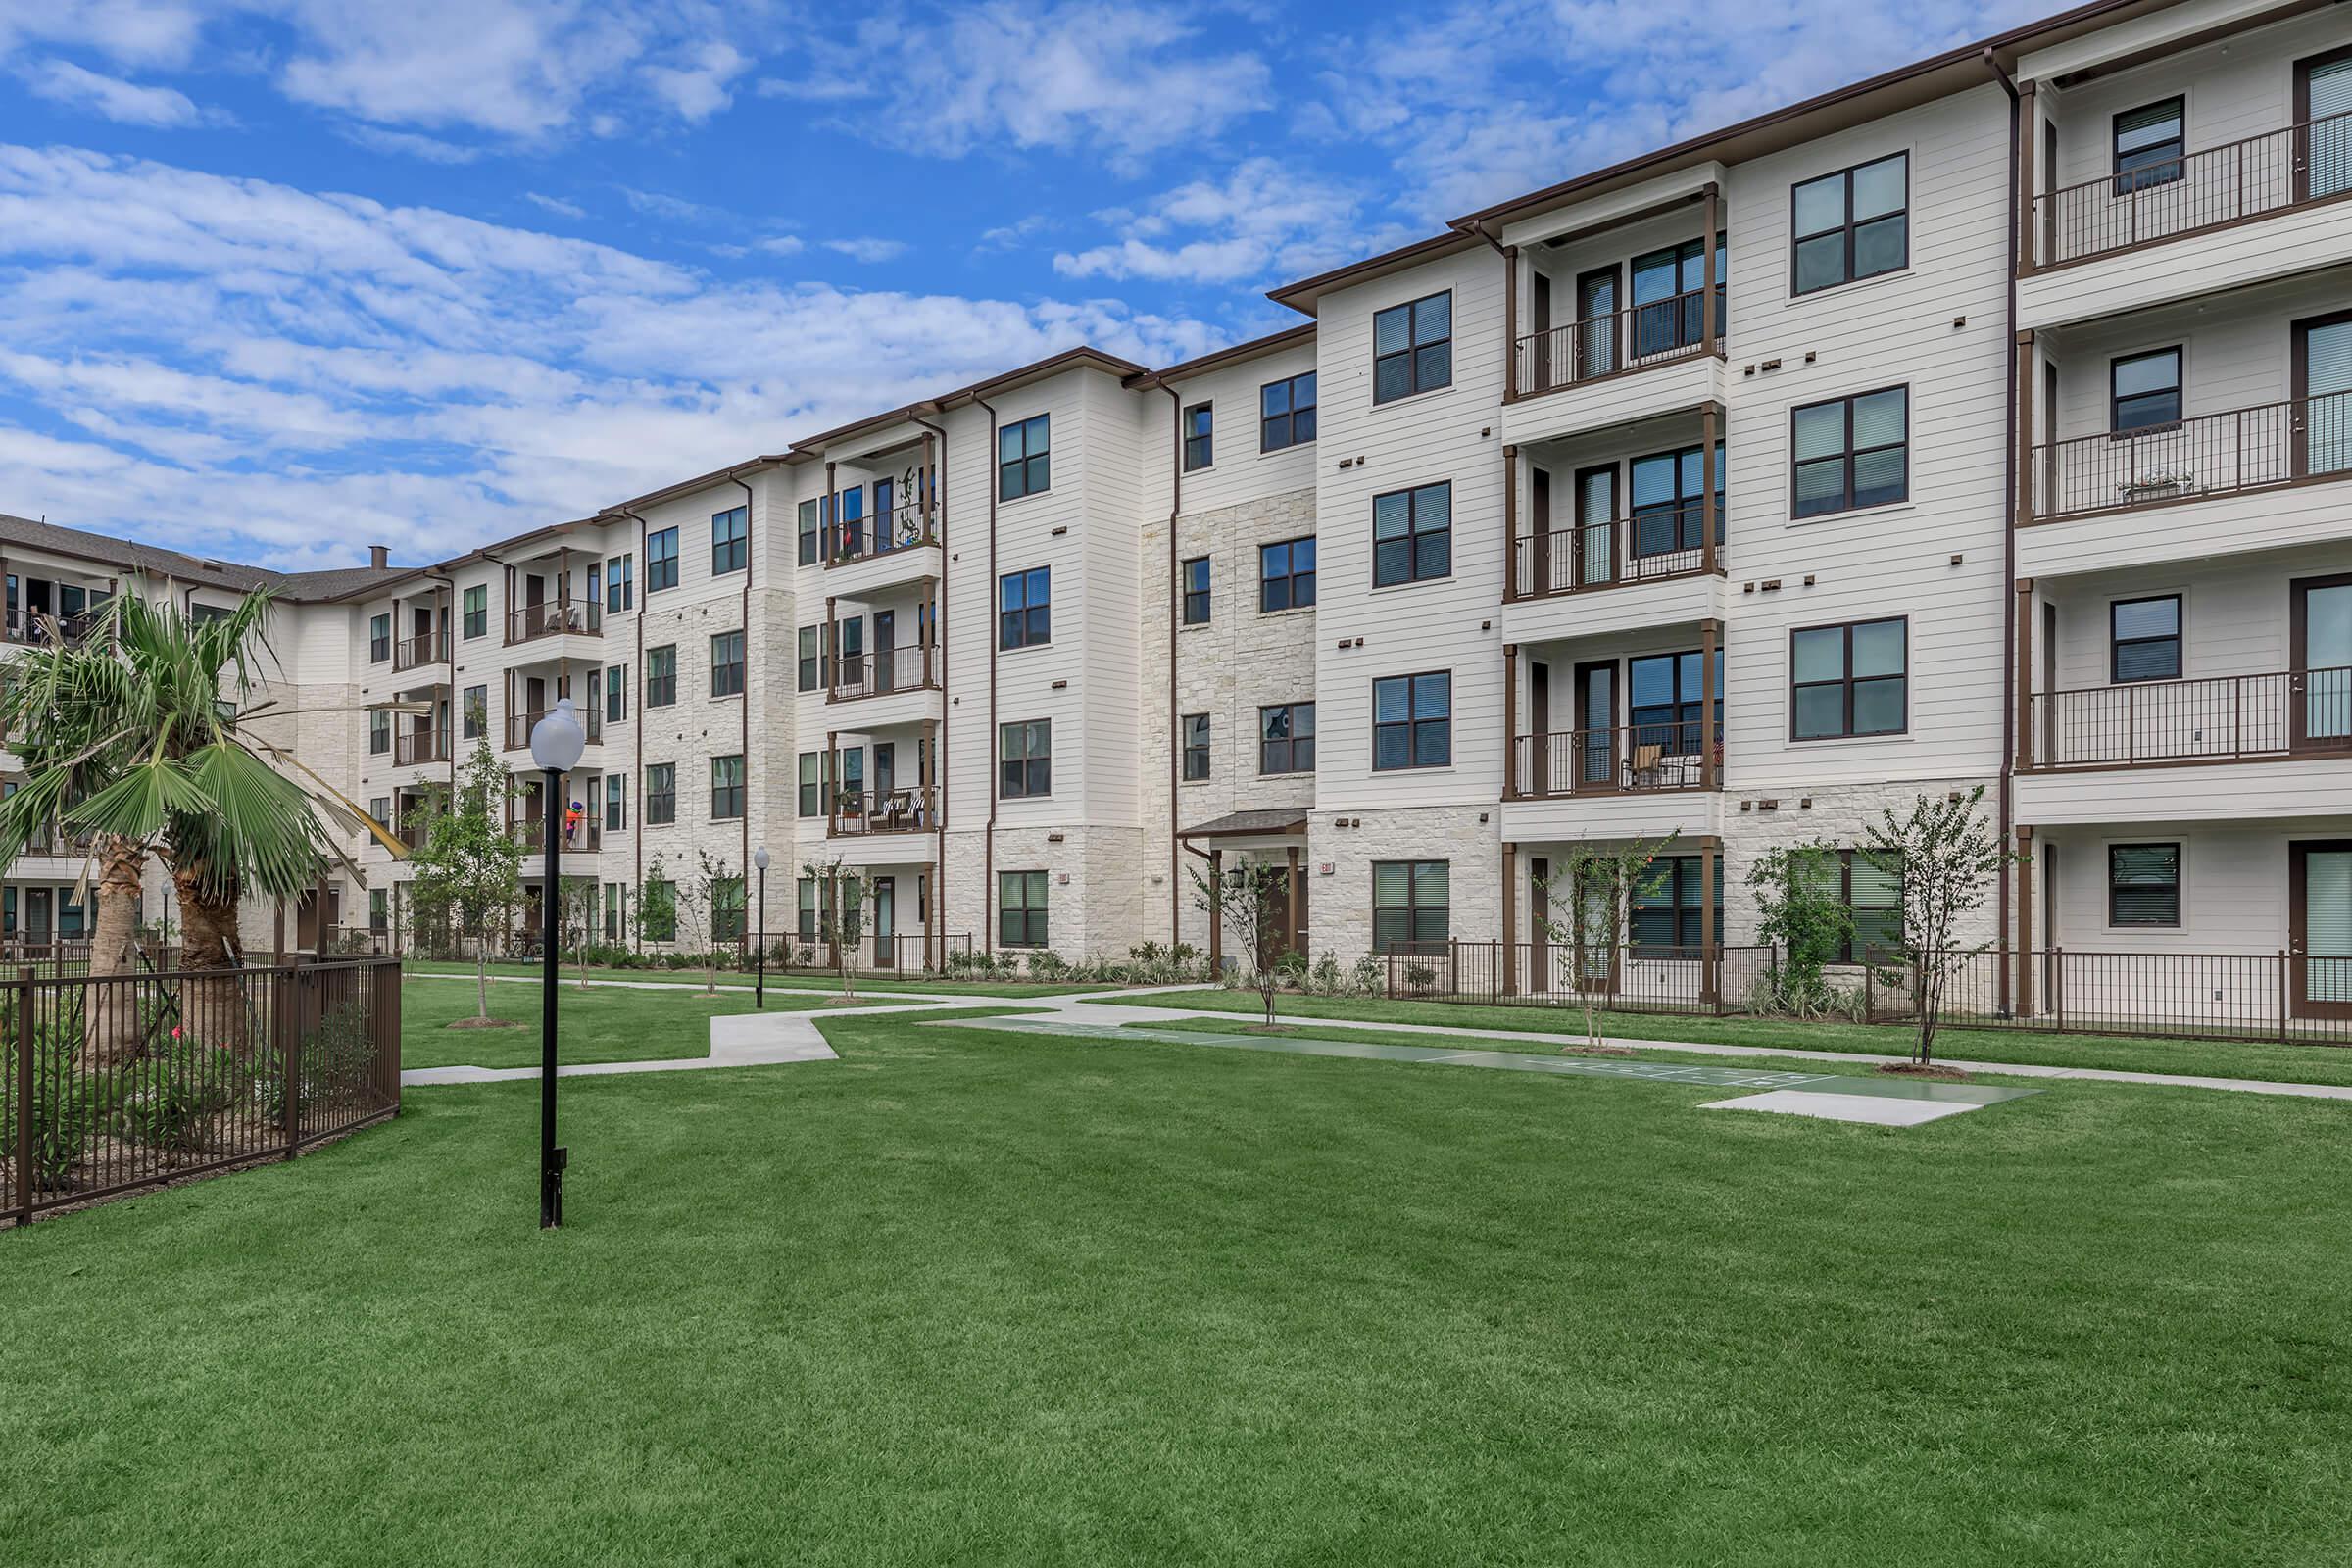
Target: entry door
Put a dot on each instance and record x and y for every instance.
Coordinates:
(2323, 389)
(1596, 323)
(885, 630)
(1539, 508)
(886, 922)
(2324, 102)
(2320, 686)
(2320, 928)
(1597, 525)
(1540, 977)
(1541, 303)
(1539, 715)
(36, 914)
(1596, 726)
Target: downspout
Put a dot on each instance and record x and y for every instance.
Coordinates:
(988, 844)
(1175, 604)
(750, 552)
(449, 632)
(637, 738)
(2007, 807)
(938, 638)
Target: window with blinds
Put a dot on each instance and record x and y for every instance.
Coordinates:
(2328, 390)
(2143, 884)
(2327, 105)
(1409, 909)
(2148, 146)
(2144, 639)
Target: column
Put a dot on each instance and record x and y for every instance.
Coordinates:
(1216, 923)
(1710, 522)
(1708, 325)
(1710, 674)
(1298, 893)
(1710, 952)
(1511, 918)
(1510, 721)
(2025, 674)
(2025, 921)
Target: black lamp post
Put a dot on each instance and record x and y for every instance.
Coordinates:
(556, 744)
(760, 985)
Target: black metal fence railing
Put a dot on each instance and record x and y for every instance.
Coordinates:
(1634, 338)
(2220, 719)
(2204, 455)
(904, 953)
(2208, 189)
(1649, 547)
(131, 1081)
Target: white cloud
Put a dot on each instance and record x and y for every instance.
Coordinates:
(781, 245)
(699, 89)
(820, 90)
(555, 205)
(661, 203)
(409, 144)
(1262, 223)
(866, 248)
(126, 103)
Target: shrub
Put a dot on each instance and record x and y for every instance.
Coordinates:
(63, 1109)
(1370, 978)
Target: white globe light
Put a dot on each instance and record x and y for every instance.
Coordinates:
(557, 739)
(759, 857)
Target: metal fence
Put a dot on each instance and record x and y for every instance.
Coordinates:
(2204, 996)
(1632, 338)
(2213, 188)
(911, 953)
(2198, 455)
(1652, 546)
(127, 1082)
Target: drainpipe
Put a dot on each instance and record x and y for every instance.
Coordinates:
(1175, 610)
(2009, 673)
(988, 843)
(637, 735)
(448, 634)
(750, 552)
(938, 641)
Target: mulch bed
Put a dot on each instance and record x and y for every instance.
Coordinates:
(1912, 1070)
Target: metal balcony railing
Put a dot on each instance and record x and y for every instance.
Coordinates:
(424, 647)
(418, 746)
(909, 667)
(2273, 173)
(1667, 542)
(578, 617)
(2221, 719)
(1635, 338)
(907, 527)
(1627, 758)
(857, 814)
(2294, 442)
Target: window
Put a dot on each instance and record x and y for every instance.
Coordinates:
(380, 638)
(1664, 912)
(1021, 908)
(2143, 391)
(380, 811)
(1874, 895)
(2143, 884)
(1410, 910)
(1196, 591)
(727, 923)
(1412, 722)
(1666, 703)
(380, 911)
(811, 648)
(1413, 348)
(617, 802)
(2148, 146)
(726, 665)
(1285, 738)
(1668, 494)
(2144, 639)
(613, 896)
(806, 900)
(730, 540)
(1850, 680)
(849, 509)
(727, 788)
(1025, 759)
(1199, 425)
(380, 730)
(1024, 459)
(1194, 727)
(813, 527)
(617, 693)
(474, 706)
(477, 610)
(620, 584)
(1285, 413)
(662, 676)
(813, 775)
(1025, 607)
(660, 794)
(662, 561)
(658, 910)
(1851, 452)
(1286, 576)
(1413, 535)
(596, 582)
(1852, 225)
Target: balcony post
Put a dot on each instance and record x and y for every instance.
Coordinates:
(1710, 668)
(1216, 923)
(2021, 504)
(1710, 525)
(2025, 674)
(1510, 721)
(832, 671)
(1511, 918)
(2025, 921)
(1710, 981)
(830, 787)
(2029, 175)
(1708, 326)
(1510, 525)
(1510, 323)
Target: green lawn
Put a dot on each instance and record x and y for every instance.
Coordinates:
(2307, 1064)
(602, 1023)
(800, 980)
(973, 1297)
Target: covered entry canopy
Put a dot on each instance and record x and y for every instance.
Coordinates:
(1279, 821)
(1274, 831)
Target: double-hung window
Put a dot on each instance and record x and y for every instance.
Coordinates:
(812, 801)
(1194, 727)
(620, 584)
(2143, 884)
(812, 529)
(658, 909)
(1025, 759)
(1199, 430)
(474, 708)
(1285, 413)
(1873, 894)
(477, 610)
(727, 788)
(1412, 722)
(1286, 576)
(617, 802)
(730, 540)
(1851, 452)
(2144, 639)
(1285, 738)
(1663, 914)
(1196, 591)
(662, 675)
(2148, 144)
(811, 662)
(1413, 535)
(2143, 391)
(1409, 906)
(380, 730)
(660, 560)
(1021, 908)
(660, 794)
(1025, 607)
(726, 665)
(1413, 348)
(617, 693)
(1024, 458)
(380, 638)
(728, 923)
(1853, 679)
(1852, 225)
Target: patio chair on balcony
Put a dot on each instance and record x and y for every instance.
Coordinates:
(1648, 772)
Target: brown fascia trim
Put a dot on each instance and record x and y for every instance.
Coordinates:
(1302, 295)
(1255, 348)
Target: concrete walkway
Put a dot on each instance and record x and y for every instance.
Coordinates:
(783, 1037)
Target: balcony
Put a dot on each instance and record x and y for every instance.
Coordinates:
(2196, 193)
(1627, 760)
(2300, 441)
(41, 626)
(907, 667)
(530, 835)
(420, 651)
(1639, 337)
(419, 747)
(556, 618)
(864, 814)
(2226, 718)
(1655, 545)
(518, 727)
(909, 527)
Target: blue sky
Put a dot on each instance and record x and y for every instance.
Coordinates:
(282, 277)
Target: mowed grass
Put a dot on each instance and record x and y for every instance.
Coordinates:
(601, 1023)
(964, 1297)
(2215, 1059)
(796, 980)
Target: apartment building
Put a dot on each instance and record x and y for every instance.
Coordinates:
(1980, 425)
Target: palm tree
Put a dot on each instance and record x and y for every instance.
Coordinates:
(140, 732)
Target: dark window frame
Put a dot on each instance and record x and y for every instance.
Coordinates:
(1849, 455)
(1410, 726)
(728, 795)
(2117, 643)
(662, 688)
(1031, 472)
(2151, 173)
(1289, 418)
(617, 802)
(2175, 887)
(810, 518)
(1290, 577)
(660, 794)
(1035, 767)
(620, 583)
(1412, 908)
(1198, 430)
(475, 612)
(1032, 632)
(1031, 912)
(380, 638)
(728, 674)
(809, 781)
(1846, 229)
(474, 716)
(1196, 600)
(1414, 534)
(1413, 348)
(1847, 679)
(808, 657)
(2117, 397)
(1869, 952)
(1679, 873)
(617, 693)
(1192, 739)
(660, 560)
(731, 540)
(1293, 745)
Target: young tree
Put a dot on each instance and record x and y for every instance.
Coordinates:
(470, 868)
(1599, 883)
(698, 907)
(576, 915)
(1248, 895)
(1943, 854)
(1800, 908)
(657, 913)
(843, 894)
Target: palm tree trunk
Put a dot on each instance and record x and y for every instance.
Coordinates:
(212, 1011)
(112, 1034)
